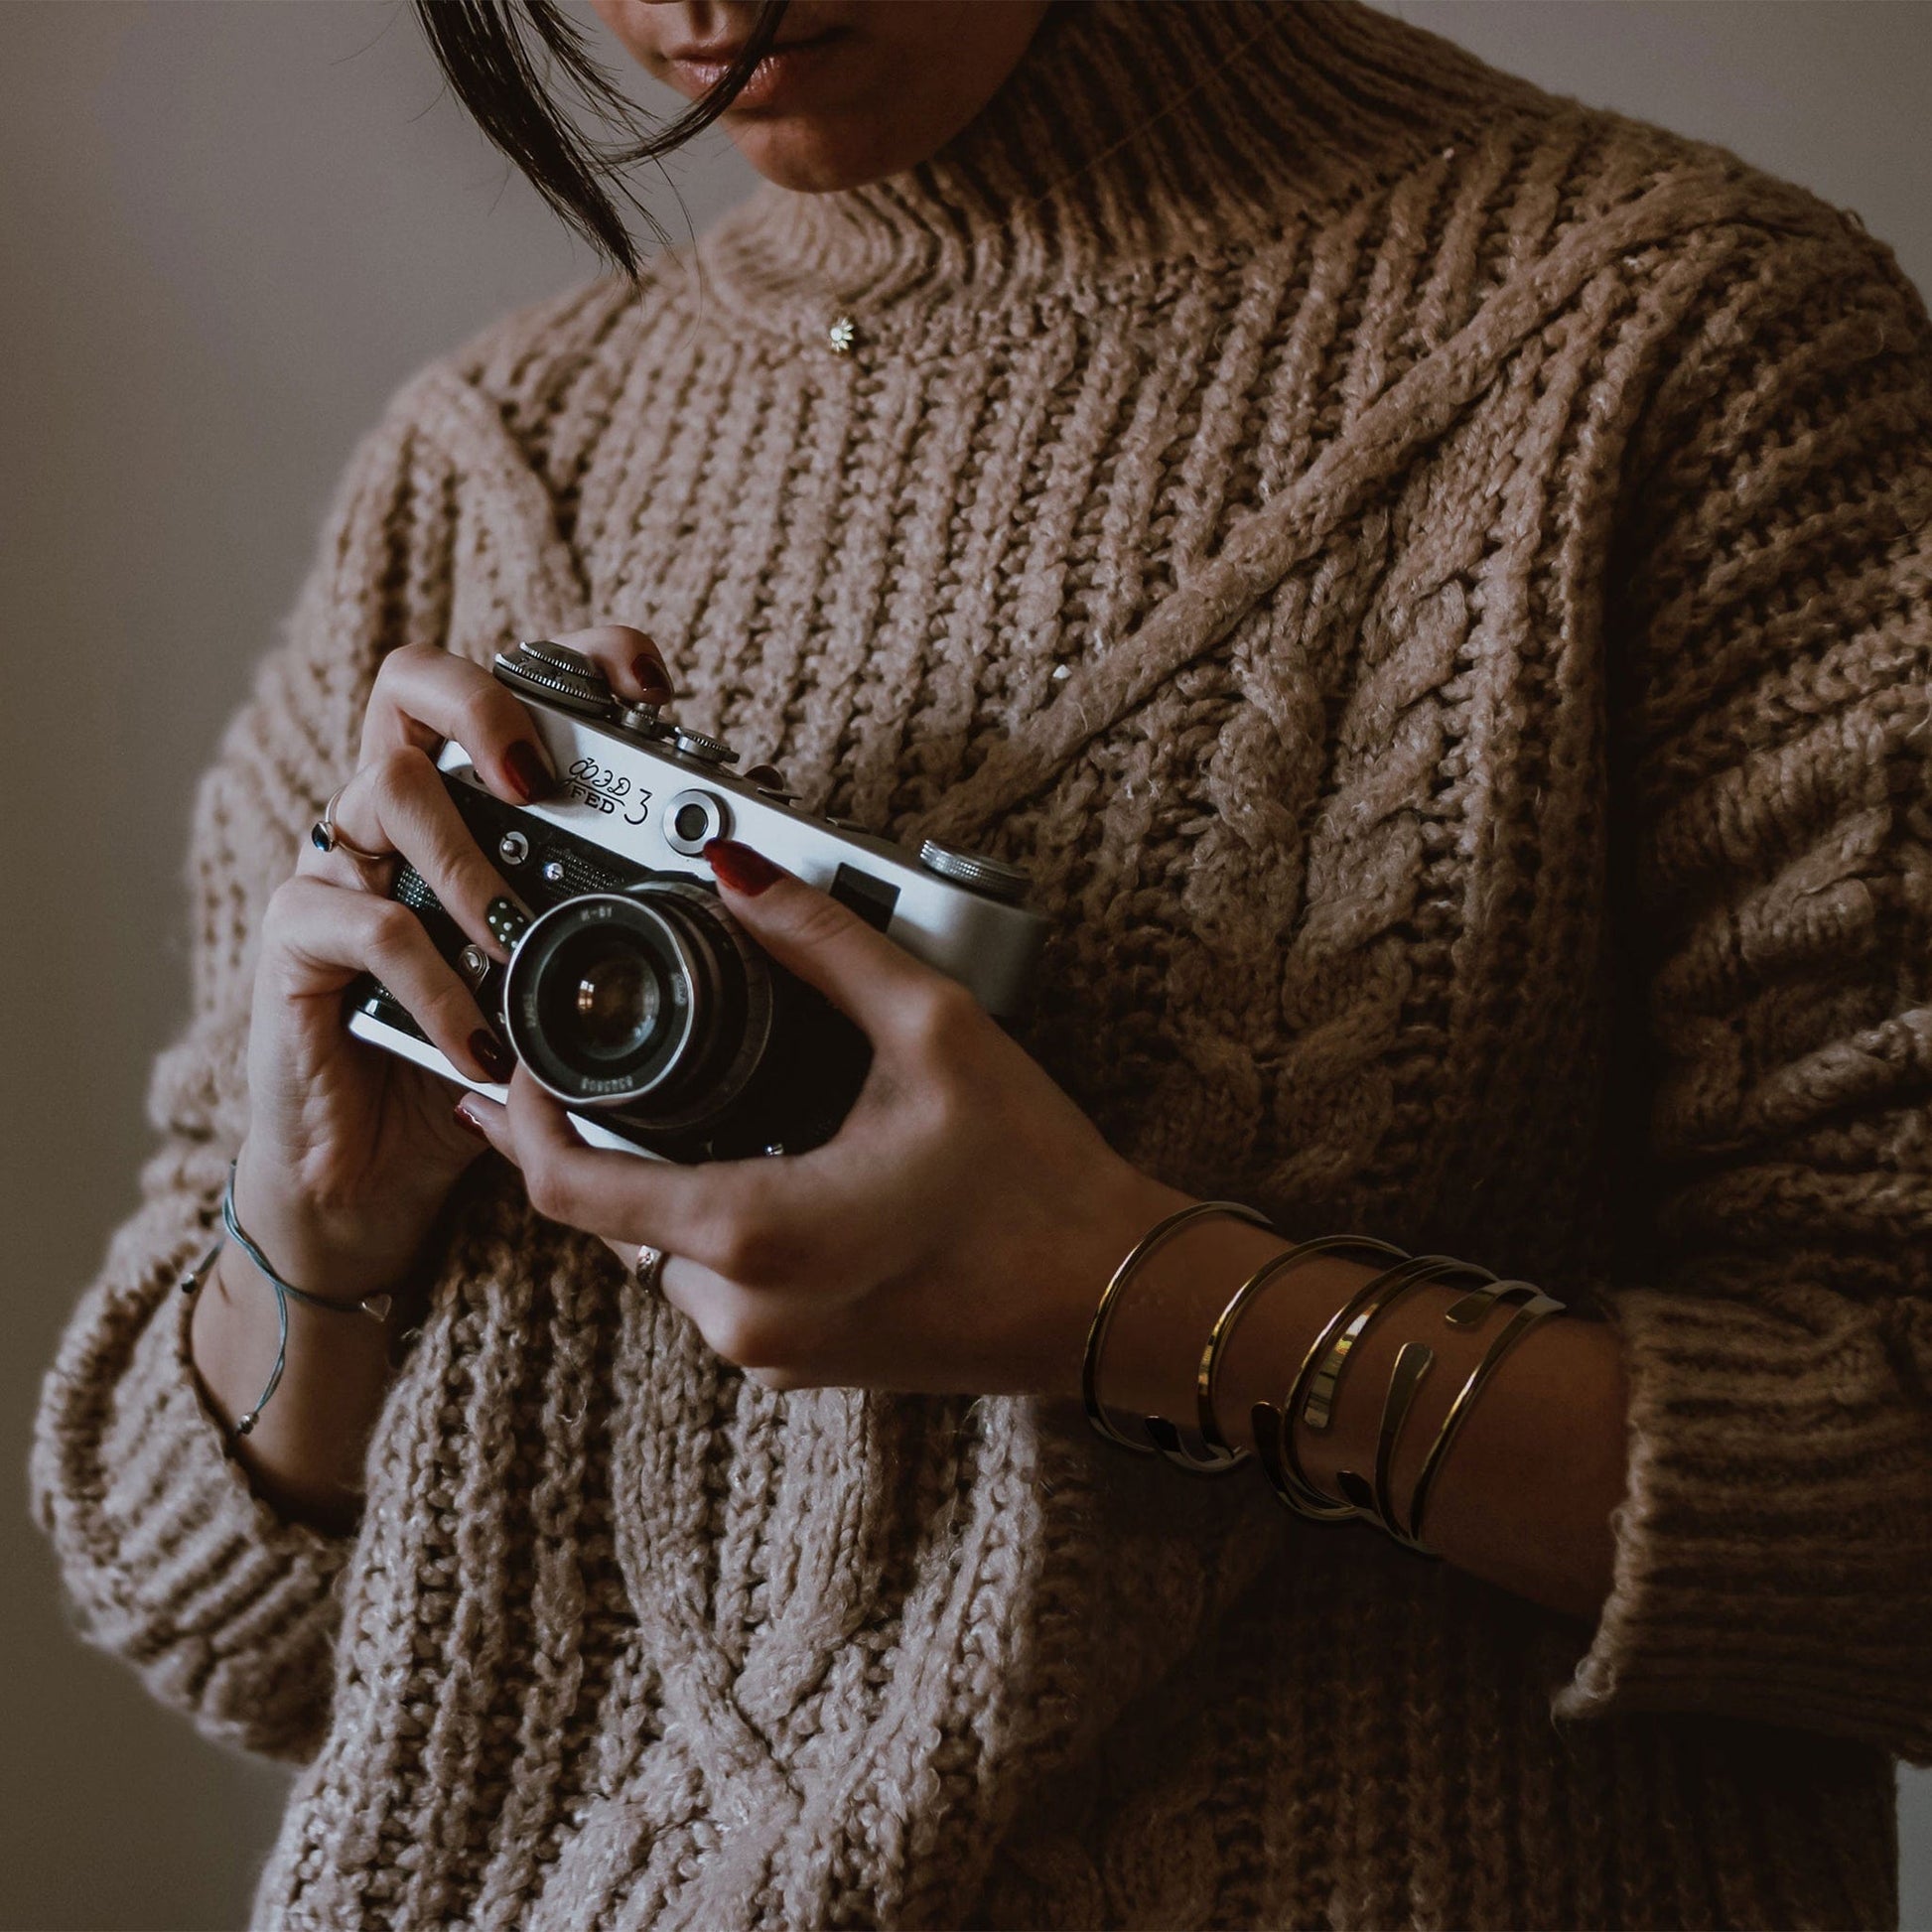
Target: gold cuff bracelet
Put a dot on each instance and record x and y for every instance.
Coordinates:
(1221, 1456)
(1103, 1315)
(1274, 1428)
(1535, 1307)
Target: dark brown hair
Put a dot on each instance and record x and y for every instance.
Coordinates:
(485, 48)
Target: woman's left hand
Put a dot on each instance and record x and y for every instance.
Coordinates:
(951, 1238)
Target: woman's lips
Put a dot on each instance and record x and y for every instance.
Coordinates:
(784, 73)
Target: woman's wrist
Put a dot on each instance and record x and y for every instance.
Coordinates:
(337, 1251)
(1525, 1498)
(304, 1451)
(1153, 1346)
(304, 1447)
(1152, 1352)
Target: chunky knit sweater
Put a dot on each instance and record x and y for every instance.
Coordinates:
(1433, 580)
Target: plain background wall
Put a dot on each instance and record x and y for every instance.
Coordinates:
(227, 232)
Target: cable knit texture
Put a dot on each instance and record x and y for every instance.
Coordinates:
(1433, 580)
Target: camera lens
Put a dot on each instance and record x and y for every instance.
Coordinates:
(649, 1000)
(615, 1001)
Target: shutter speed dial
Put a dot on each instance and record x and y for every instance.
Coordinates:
(702, 746)
(559, 675)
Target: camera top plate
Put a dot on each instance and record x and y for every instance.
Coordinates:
(629, 779)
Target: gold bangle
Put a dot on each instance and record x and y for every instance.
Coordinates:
(1222, 1331)
(1220, 1458)
(1103, 1315)
(1535, 1307)
(1274, 1428)
(1412, 1361)
(1388, 1288)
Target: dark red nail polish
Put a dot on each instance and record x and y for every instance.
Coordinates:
(530, 775)
(651, 680)
(741, 869)
(491, 1054)
(470, 1124)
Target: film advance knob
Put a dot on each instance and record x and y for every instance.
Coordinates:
(993, 877)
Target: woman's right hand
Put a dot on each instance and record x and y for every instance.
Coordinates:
(350, 1151)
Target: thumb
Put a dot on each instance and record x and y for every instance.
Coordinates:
(874, 982)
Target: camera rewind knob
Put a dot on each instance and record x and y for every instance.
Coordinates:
(993, 877)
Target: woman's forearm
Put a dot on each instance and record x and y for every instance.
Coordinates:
(1525, 1495)
(304, 1455)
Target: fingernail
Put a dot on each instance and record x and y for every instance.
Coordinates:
(491, 1054)
(470, 1124)
(652, 680)
(532, 777)
(508, 922)
(741, 869)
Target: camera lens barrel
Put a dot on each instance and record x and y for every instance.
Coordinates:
(651, 1000)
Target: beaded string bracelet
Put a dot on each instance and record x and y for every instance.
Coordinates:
(375, 1306)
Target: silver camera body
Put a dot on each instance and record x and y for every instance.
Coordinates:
(632, 996)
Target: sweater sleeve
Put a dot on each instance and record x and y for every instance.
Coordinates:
(1771, 689)
(169, 1560)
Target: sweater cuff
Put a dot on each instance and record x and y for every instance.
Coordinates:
(209, 1583)
(1772, 1551)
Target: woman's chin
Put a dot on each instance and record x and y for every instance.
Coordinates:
(811, 157)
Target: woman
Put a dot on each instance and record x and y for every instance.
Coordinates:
(1431, 582)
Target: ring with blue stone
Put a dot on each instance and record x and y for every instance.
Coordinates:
(324, 835)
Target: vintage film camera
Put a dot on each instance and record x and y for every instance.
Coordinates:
(632, 996)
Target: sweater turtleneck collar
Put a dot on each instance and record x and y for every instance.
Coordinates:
(1132, 132)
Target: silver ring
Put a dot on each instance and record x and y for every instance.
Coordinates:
(324, 835)
(648, 1271)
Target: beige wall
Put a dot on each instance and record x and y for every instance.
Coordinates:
(227, 232)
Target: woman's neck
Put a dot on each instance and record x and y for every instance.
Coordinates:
(1132, 132)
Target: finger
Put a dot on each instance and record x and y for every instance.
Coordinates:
(741, 1325)
(730, 1216)
(677, 1280)
(399, 803)
(424, 696)
(627, 657)
(318, 937)
(628, 1253)
(488, 1120)
(876, 982)
(745, 1325)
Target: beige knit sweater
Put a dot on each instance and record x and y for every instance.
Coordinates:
(1434, 581)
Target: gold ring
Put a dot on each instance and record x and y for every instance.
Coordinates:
(325, 837)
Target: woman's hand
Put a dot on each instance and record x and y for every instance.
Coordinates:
(953, 1237)
(350, 1152)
